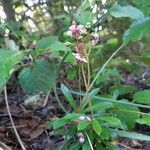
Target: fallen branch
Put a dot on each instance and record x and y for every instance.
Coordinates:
(12, 122)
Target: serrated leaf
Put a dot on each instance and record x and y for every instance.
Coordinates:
(126, 11)
(137, 30)
(144, 120)
(113, 121)
(69, 97)
(83, 125)
(96, 126)
(132, 135)
(123, 110)
(40, 77)
(142, 97)
(99, 107)
(8, 61)
(65, 120)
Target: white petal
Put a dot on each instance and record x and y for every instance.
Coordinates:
(80, 27)
(69, 33)
(96, 35)
(72, 27)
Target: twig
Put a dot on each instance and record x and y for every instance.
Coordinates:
(12, 122)
(122, 145)
(46, 99)
(103, 67)
(4, 146)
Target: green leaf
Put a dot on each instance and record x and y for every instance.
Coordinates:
(127, 114)
(59, 46)
(86, 17)
(123, 89)
(75, 146)
(85, 101)
(83, 125)
(65, 120)
(45, 42)
(8, 61)
(98, 107)
(144, 120)
(142, 97)
(126, 11)
(137, 30)
(145, 58)
(105, 133)
(113, 121)
(40, 77)
(69, 97)
(96, 126)
(132, 135)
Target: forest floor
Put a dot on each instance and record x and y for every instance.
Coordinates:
(31, 120)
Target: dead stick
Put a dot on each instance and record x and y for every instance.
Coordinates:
(12, 122)
(46, 99)
(4, 146)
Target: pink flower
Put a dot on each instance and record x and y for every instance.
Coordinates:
(95, 41)
(96, 38)
(75, 30)
(80, 48)
(80, 58)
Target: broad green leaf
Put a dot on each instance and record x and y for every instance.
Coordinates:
(137, 30)
(144, 120)
(83, 125)
(40, 77)
(96, 126)
(126, 11)
(142, 97)
(69, 97)
(8, 61)
(113, 121)
(59, 46)
(132, 135)
(127, 114)
(85, 17)
(65, 120)
(45, 42)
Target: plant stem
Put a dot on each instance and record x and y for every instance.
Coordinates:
(58, 100)
(103, 67)
(80, 81)
(89, 141)
(110, 100)
(12, 122)
(84, 78)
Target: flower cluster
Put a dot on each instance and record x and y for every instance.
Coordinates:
(80, 32)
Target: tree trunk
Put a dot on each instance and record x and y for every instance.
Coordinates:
(8, 9)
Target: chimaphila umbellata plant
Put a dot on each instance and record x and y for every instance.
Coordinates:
(94, 123)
